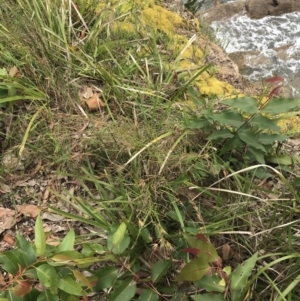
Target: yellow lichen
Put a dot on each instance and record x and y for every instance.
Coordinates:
(162, 19)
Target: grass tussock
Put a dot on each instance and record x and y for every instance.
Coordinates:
(137, 161)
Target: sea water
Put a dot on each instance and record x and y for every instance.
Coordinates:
(271, 45)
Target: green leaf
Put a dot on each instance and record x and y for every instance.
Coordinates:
(266, 138)
(208, 297)
(207, 250)
(148, 295)
(146, 236)
(247, 136)
(48, 277)
(263, 123)
(70, 286)
(232, 118)
(118, 236)
(121, 247)
(40, 240)
(106, 278)
(99, 249)
(197, 123)
(160, 269)
(10, 296)
(11, 261)
(277, 106)
(239, 278)
(25, 246)
(193, 271)
(221, 134)
(47, 296)
(68, 242)
(3, 72)
(248, 105)
(210, 284)
(124, 292)
(280, 159)
(257, 154)
(232, 143)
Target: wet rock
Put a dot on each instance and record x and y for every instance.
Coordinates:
(257, 9)
(223, 11)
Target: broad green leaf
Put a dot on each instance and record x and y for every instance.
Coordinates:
(68, 242)
(99, 249)
(257, 154)
(277, 106)
(39, 241)
(106, 278)
(210, 284)
(266, 138)
(124, 292)
(146, 236)
(239, 278)
(247, 136)
(232, 143)
(232, 118)
(118, 236)
(48, 277)
(65, 256)
(10, 296)
(208, 297)
(193, 271)
(70, 286)
(280, 159)
(3, 72)
(72, 298)
(197, 123)
(221, 134)
(207, 250)
(47, 296)
(263, 122)
(160, 269)
(82, 279)
(248, 105)
(25, 246)
(121, 247)
(11, 261)
(148, 295)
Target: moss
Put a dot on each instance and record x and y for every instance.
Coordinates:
(154, 17)
(162, 19)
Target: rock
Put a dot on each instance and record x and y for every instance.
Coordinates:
(223, 11)
(257, 9)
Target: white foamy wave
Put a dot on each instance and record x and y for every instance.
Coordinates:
(275, 38)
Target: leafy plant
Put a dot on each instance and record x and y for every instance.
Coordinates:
(247, 128)
(13, 89)
(207, 272)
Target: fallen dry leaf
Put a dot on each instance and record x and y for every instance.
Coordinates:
(8, 219)
(13, 71)
(9, 239)
(52, 217)
(29, 210)
(94, 102)
(4, 188)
